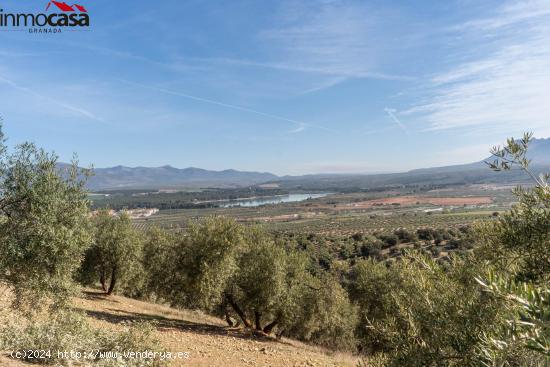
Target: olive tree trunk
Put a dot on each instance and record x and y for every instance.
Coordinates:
(257, 319)
(113, 281)
(238, 311)
(102, 280)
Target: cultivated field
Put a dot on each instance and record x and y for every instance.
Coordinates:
(348, 213)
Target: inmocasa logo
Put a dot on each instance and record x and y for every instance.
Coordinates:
(63, 16)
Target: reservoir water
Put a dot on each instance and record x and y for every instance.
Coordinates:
(290, 198)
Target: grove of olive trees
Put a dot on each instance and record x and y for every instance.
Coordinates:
(486, 307)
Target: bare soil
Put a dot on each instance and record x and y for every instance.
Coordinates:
(207, 339)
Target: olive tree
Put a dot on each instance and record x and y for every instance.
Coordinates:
(268, 283)
(43, 224)
(115, 255)
(433, 314)
(327, 317)
(160, 248)
(259, 283)
(202, 262)
(370, 286)
(517, 244)
(519, 240)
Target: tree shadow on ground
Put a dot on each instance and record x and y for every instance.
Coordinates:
(98, 296)
(163, 323)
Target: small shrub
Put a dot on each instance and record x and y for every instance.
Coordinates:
(69, 331)
(357, 236)
(371, 249)
(426, 234)
(405, 236)
(389, 239)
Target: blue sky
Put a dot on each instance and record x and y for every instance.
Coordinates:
(289, 87)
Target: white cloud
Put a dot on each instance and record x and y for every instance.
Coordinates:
(512, 13)
(333, 40)
(506, 88)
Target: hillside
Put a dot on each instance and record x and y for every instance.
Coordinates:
(463, 174)
(207, 339)
(122, 177)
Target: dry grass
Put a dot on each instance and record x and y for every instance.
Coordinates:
(208, 341)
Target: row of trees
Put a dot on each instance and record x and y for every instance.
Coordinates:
(488, 307)
(236, 272)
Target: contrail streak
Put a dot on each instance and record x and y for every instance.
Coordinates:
(391, 114)
(79, 110)
(300, 124)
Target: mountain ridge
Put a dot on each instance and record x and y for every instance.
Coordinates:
(167, 176)
(139, 177)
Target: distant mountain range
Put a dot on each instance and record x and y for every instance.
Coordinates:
(471, 173)
(539, 153)
(121, 177)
